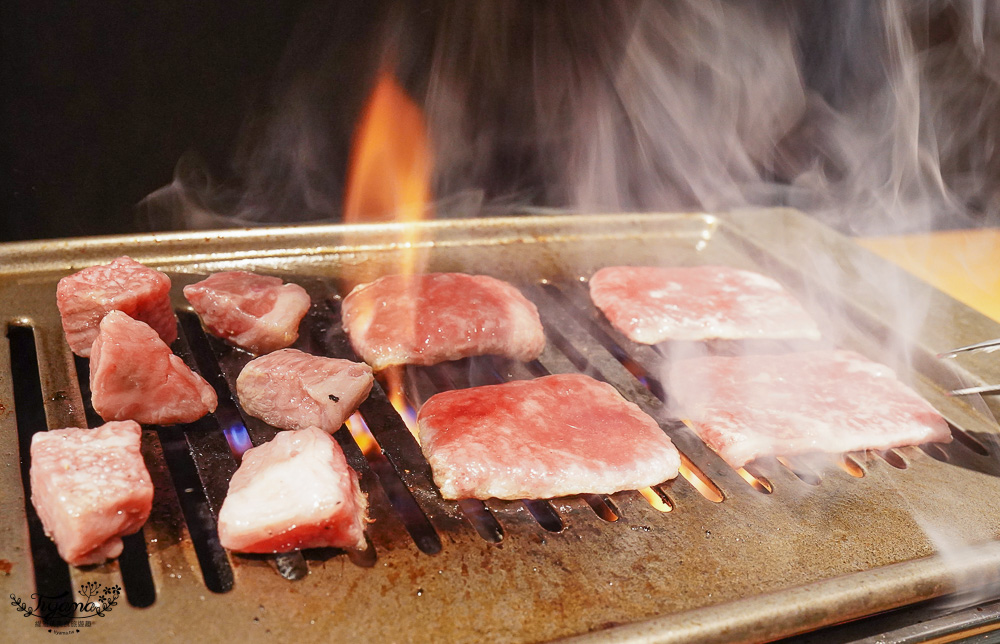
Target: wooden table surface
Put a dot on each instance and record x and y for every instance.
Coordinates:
(963, 263)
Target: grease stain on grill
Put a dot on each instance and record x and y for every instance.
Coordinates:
(290, 565)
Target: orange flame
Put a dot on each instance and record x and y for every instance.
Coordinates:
(362, 435)
(392, 381)
(655, 500)
(390, 170)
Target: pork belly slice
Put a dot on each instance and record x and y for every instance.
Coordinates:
(134, 376)
(256, 312)
(536, 439)
(295, 390)
(650, 305)
(427, 319)
(816, 401)
(125, 285)
(90, 488)
(294, 492)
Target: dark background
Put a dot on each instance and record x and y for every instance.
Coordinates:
(101, 99)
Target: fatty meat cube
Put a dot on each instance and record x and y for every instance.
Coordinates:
(257, 312)
(295, 390)
(90, 487)
(134, 376)
(142, 293)
(294, 492)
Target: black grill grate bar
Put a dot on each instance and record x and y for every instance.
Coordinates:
(290, 565)
(140, 591)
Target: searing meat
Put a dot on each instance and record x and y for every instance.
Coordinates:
(294, 390)
(294, 492)
(651, 305)
(817, 401)
(134, 376)
(125, 285)
(90, 488)
(554, 436)
(257, 312)
(426, 319)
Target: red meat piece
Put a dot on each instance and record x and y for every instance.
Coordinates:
(553, 436)
(294, 492)
(134, 376)
(651, 305)
(90, 488)
(427, 319)
(125, 285)
(818, 401)
(256, 312)
(294, 390)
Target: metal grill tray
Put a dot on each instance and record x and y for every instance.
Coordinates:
(836, 538)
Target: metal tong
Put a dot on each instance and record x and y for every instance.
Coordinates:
(988, 345)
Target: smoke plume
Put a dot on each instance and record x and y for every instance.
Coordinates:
(873, 116)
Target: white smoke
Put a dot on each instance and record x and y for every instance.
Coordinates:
(872, 116)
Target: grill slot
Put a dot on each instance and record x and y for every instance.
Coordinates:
(967, 440)
(215, 569)
(52, 579)
(850, 465)
(552, 568)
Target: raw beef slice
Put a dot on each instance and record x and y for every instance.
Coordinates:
(651, 305)
(90, 488)
(134, 376)
(553, 436)
(816, 401)
(257, 312)
(294, 390)
(125, 285)
(294, 492)
(427, 319)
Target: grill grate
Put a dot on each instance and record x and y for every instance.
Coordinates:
(525, 570)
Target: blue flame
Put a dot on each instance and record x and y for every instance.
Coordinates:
(238, 438)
